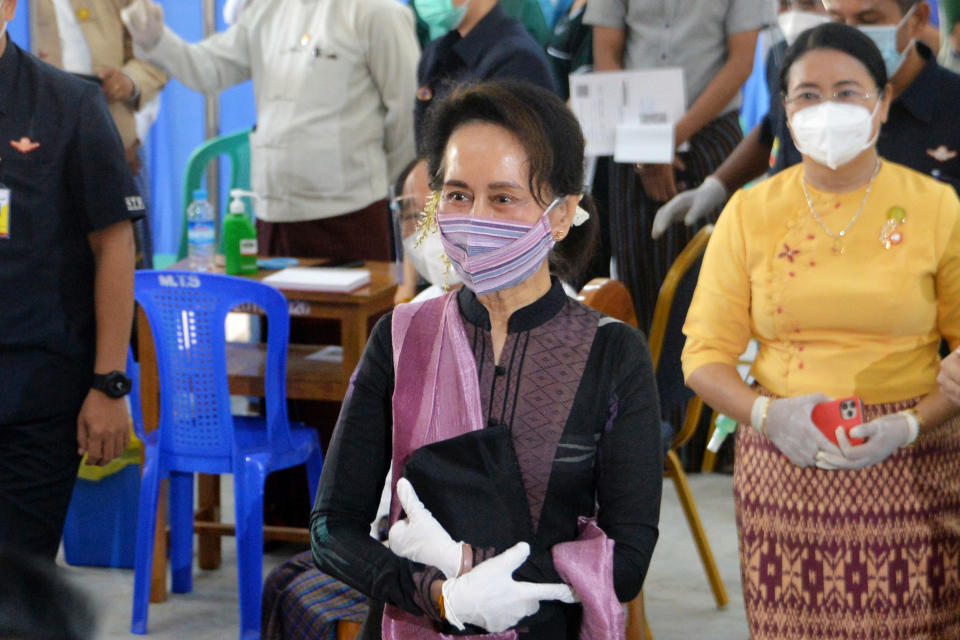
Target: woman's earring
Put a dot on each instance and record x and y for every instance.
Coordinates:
(558, 235)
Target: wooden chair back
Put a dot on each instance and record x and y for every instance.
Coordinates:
(610, 297)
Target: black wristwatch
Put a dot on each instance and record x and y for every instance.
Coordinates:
(115, 384)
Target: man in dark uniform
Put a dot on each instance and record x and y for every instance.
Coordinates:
(484, 44)
(66, 291)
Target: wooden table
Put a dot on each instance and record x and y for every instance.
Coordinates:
(306, 380)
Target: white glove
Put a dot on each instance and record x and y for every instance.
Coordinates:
(884, 435)
(144, 21)
(487, 596)
(232, 10)
(420, 537)
(692, 205)
(790, 427)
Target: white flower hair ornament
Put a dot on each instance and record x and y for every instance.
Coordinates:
(580, 216)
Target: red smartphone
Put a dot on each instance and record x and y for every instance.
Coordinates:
(845, 412)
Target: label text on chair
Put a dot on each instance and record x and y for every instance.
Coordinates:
(179, 280)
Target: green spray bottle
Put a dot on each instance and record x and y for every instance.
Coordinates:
(239, 236)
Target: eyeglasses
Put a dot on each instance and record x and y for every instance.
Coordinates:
(810, 97)
(405, 215)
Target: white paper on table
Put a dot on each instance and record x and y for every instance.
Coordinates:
(644, 142)
(601, 100)
(331, 279)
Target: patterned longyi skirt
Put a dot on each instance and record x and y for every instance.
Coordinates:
(869, 554)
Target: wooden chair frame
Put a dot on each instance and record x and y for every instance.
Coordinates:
(614, 301)
(658, 329)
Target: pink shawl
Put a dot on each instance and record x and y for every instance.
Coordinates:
(436, 396)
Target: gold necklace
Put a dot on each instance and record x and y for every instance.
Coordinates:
(838, 237)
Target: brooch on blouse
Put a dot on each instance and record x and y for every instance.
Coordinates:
(890, 233)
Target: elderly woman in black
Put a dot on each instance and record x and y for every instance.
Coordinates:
(523, 427)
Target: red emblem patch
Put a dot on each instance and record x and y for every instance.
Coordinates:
(24, 145)
(941, 153)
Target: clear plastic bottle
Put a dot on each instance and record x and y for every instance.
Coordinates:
(201, 232)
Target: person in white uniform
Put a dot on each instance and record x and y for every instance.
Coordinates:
(333, 83)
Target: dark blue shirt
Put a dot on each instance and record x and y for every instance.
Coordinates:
(497, 47)
(63, 162)
(922, 130)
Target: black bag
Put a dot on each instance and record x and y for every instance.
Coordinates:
(473, 486)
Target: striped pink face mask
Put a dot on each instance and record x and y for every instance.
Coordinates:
(490, 254)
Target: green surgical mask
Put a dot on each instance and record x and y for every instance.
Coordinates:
(440, 15)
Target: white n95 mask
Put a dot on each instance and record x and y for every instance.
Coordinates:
(428, 258)
(833, 133)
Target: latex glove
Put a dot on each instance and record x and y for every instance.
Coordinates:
(232, 10)
(692, 205)
(949, 377)
(420, 537)
(789, 426)
(144, 21)
(491, 599)
(884, 435)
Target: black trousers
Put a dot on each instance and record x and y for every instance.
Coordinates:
(38, 466)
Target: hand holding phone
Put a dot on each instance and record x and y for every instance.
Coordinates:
(845, 412)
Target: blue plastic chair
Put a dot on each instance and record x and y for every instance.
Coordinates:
(198, 433)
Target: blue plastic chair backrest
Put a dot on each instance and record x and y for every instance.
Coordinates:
(235, 146)
(187, 311)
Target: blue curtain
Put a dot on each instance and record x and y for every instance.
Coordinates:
(19, 27)
(756, 96)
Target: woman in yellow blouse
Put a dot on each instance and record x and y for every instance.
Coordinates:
(846, 270)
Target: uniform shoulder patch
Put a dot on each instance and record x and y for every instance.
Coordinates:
(134, 203)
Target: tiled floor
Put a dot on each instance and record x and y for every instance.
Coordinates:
(679, 602)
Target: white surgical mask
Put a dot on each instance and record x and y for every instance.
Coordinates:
(427, 257)
(885, 37)
(794, 22)
(833, 133)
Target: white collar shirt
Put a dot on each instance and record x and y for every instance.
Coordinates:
(75, 52)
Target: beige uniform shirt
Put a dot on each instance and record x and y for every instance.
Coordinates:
(334, 84)
(110, 46)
